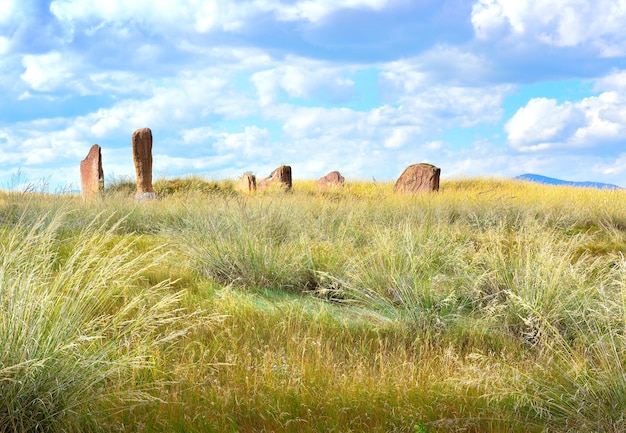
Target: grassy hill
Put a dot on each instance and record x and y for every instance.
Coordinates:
(490, 306)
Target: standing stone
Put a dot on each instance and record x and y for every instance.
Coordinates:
(142, 155)
(418, 178)
(91, 174)
(333, 179)
(281, 177)
(247, 184)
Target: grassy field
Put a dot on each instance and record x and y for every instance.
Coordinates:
(491, 306)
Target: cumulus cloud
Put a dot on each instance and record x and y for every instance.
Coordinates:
(34, 145)
(4, 45)
(566, 23)
(441, 65)
(542, 124)
(316, 10)
(402, 136)
(417, 116)
(46, 72)
(253, 142)
(8, 10)
(303, 81)
(615, 81)
(456, 106)
(593, 122)
(200, 15)
(443, 87)
(310, 122)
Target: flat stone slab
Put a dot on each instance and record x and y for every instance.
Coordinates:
(91, 174)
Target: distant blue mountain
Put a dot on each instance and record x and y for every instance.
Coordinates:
(552, 181)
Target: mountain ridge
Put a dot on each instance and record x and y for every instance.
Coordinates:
(537, 178)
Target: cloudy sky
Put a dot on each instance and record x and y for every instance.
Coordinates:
(366, 87)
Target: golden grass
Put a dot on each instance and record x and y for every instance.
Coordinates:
(492, 305)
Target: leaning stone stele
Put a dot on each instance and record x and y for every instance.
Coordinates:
(142, 156)
(418, 178)
(91, 174)
(334, 179)
(280, 178)
(247, 184)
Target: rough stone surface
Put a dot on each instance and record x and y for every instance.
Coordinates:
(418, 178)
(247, 183)
(91, 174)
(333, 179)
(281, 177)
(142, 155)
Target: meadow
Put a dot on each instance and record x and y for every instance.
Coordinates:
(490, 306)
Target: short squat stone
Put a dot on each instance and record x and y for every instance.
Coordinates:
(281, 177)
(247, 183)
(333, 179)
(418, 178)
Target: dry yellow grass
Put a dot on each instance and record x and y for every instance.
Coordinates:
(492, 305)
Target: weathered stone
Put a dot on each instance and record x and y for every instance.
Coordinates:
(142, 155)
(281, 178)
(91, 174)
(334, 179)
(418, 178)
(247, 184)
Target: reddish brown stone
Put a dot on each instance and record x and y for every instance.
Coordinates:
(418, 178)
(247, 183)
(91, 174)
(142, 155)
(333, 179)
(281, 177)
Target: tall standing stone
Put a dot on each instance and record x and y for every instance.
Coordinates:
(418, 178)
(333, 179)
(280, 177)
(247, 183)
(91, 174)
(142, 155)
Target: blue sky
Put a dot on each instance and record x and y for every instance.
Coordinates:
(366, 87)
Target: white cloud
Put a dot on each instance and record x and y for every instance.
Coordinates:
(8, 8)
(563, 23)
(307, 122)
(543, 124)
(401, 136)
(169, 110)
(616, 81)
(168, 165)
(199, 15)
(456, 106)
(413, 118)
(180, 103)
(444, 86)
(308, 80)
(316, 10)
(612, 167)
(441, 65)
(253, 142)
(5, 44)
(33, 145)
(46, 72)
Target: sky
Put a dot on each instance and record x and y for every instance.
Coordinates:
(479, 88)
